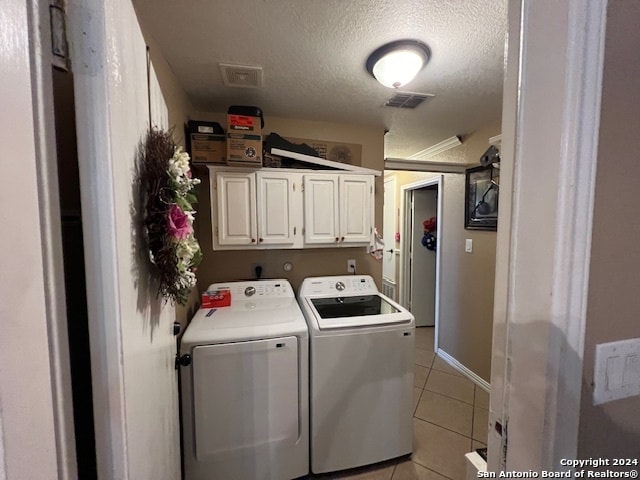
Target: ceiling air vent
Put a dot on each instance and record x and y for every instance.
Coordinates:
(407, 99)
(241, 75)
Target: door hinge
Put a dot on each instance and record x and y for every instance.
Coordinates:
(59, 44)
(217, 234)
(294, 230)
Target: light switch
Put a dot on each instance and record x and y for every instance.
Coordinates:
(631, 373)
(468, 245)
(617, 370)
(615, 367)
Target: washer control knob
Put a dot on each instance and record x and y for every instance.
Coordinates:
(249, 291)
(339, 286)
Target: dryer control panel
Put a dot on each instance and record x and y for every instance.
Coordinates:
(252, 290)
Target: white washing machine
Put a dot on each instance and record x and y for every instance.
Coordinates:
(361, 372)
(244, 386)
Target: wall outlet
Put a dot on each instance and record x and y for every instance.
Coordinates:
(257, 270)
(351, 266)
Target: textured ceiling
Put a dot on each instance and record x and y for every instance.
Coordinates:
(313, 54)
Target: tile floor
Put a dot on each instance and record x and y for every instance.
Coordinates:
(450, 419)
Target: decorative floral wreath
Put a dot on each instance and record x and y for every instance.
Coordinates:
(168, 198)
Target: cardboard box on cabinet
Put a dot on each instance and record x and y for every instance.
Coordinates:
(207, 143)
(244, 140)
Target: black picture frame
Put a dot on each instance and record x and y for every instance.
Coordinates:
(481, 198)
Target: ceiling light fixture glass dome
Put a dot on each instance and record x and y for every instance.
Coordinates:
(397, 63)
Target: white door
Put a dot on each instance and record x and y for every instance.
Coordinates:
(423, 261)
(236, 207)
(389, 229)
(275, 208)
(321, 209)
(355, 208)
(132, 346)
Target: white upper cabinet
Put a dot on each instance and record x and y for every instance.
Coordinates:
(338, 209)
(236, 209)
(276, 225)
(356, 194)
(321, 223)
(277, 208)
(255, 209)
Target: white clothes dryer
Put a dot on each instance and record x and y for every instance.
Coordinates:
(361, 373)
(244, 386)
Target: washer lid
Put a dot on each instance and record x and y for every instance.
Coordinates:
(356, 311)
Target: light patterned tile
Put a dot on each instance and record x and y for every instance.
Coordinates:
(446, 412)
(424, 357)
(420, 375)
(441, 365)
(439, 449)
(480, 424)
(424, 338)
(408, 470)
(482, 398)
(460, 388)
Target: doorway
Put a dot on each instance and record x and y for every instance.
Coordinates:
(74, 271)
(419, 265)
(390, 227)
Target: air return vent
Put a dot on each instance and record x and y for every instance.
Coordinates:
(241, 75)
(407, 99)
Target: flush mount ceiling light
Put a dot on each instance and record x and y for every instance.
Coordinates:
(397, 63)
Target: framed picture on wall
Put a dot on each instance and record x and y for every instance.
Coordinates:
(481, 198)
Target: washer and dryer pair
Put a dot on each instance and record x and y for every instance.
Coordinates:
(274, 386)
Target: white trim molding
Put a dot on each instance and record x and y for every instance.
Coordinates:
(554, 80)
(474, 377)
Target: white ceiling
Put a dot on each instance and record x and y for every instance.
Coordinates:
(313, 55)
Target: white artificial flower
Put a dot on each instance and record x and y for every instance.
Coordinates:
(179, 163)
(186, 280)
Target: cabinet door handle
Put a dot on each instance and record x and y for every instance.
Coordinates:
(337, 239)
(342, 239)
(261, 239)
(253, 240)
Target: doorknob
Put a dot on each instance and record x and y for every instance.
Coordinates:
(390, 250)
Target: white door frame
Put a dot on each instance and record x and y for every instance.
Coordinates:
(50, 221)
(390, 239)
(551, 113)
(405, 242)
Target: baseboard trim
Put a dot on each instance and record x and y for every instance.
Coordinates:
(481, 382)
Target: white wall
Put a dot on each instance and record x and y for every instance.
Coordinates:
(27, 442)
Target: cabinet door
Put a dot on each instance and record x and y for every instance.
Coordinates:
(236, 208)
(321, 209)
(274, 208)
(355, 208)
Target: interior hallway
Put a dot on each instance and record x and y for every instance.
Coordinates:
(450, 419)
